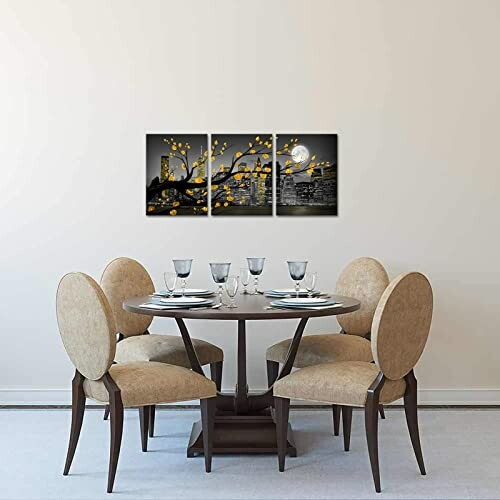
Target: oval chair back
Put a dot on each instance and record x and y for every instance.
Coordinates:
(122, 279)
(364, 279)
(401, 324)
(86, 324)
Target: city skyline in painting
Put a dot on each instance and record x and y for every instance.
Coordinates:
(176, 174)
(241, 181)
(306, 174)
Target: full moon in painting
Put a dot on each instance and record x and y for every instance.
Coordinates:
(300, 154)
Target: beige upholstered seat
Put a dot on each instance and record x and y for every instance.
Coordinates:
(165, 349)
(316, 349)
(341, 383)
(88, 330)
(399, 332)
(147, 383)
(364, 279)
(125, 278)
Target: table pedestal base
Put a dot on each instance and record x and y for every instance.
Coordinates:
(241, 434)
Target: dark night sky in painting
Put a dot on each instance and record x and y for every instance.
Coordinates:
(156, 148)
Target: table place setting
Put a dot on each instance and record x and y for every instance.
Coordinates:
(308, 297)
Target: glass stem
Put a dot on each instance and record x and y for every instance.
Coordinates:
(220, 294)
(183, 287)
(255, 282)
(297, 288)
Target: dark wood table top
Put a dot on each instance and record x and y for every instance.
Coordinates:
(250, 307)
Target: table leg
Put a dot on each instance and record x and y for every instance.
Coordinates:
(241, 396)
(243, 422)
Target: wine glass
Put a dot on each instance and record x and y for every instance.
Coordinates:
(245, 279)
(297, 271)
(220, 271)
(170, 282)
(310, 282)
(232, 289)
(183, 270)
(255, 266)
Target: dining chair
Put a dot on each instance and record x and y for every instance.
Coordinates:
(365, 279)
(88, 331)
(124, 278)
(400, 330)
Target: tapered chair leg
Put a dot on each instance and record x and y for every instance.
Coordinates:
(272, 372)
(144, 414)
(381, 412)
(336, 410)
(106, 412)
(346, 426)
(77, 411)
(116, 424)
(152, 411)
(282, 410)
(207, 422)
(410, 401)
(371, 427)
(216, 374)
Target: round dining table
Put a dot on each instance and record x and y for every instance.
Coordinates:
(243, 422)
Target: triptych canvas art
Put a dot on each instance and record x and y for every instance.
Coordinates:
(241, 174)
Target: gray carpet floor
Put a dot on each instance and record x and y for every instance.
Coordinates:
(461, 450)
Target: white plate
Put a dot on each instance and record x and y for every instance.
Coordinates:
(304, 301)
(288, 290)
(184, 300)
(189, 291)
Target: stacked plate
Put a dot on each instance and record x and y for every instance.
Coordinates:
(304, 303)
(190, 292)
(280, 293)
(178, 302)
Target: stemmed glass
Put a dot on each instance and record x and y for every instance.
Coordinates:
(183, 270)
(220, 272)
(170, 282)
(245, 279)
(297, 271)
(310, 282)
(255, 266)
(232, 290)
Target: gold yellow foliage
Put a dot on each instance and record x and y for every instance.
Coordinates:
(252, 151)
(175, 203)
(205, 209)
(288, 162)
(189, 192)
(265, 156)
(215, 186)
(257, 138)
(238, 176)
(263, 176)
(198, 180)
(151, 208)
(173, 212)
(217, 205)
(183, 152)
(239, 154)
(288, 171)
(171, 177)
(230, 198)
(226, 203)
(174, 147)
(226, 187)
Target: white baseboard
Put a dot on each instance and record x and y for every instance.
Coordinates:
(44, 397)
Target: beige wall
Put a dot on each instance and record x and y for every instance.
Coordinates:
(412, 88)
